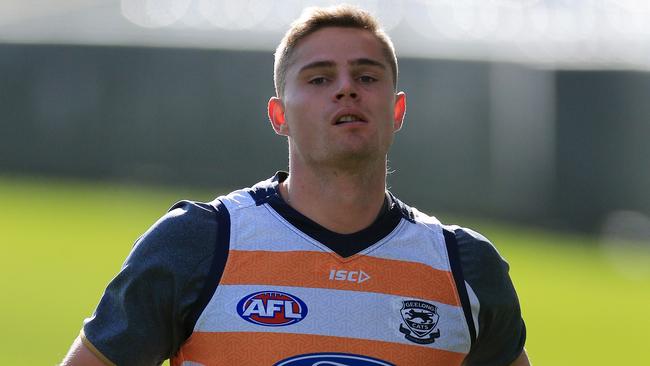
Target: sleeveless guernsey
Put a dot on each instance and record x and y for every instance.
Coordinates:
(287, 299)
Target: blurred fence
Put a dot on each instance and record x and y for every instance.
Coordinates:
(560, 148)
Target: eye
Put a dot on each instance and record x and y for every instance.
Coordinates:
(366, 79)
(318, 80)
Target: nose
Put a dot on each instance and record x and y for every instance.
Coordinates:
(346, 89)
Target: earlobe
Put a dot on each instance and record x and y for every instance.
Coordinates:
(276, 116)
(400, 111)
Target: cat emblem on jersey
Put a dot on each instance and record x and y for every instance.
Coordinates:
(421, 319)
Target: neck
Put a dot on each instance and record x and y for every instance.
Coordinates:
(341, 200)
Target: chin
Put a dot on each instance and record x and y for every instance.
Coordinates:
(355, 157)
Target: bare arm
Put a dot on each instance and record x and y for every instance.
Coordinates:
(80, 355)
(522, 360)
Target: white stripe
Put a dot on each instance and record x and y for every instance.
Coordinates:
(335, 313)
(278, 235)
(417, 243)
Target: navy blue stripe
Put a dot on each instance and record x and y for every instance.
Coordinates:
(457, 271)
(222, 246)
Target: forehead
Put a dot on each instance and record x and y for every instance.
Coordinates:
(339, 45)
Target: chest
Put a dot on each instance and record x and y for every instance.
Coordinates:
(283, 295)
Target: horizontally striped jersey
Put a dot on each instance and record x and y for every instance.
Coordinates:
(279, 290)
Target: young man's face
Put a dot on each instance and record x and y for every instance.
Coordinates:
(339, 106)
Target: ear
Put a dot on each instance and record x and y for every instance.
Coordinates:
(276, 116)
(400, 111)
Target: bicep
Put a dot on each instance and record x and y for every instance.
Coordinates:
(141, 317)
(82, 355)
(522, 360)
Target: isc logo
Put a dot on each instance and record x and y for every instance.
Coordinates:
(351, 276)
(272, 308)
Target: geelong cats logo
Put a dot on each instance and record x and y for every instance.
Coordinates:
(421, 319)
(272, 308)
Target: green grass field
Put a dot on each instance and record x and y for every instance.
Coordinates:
(63, 241)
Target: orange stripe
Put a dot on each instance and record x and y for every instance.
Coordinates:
(269, 348)
(312, 269)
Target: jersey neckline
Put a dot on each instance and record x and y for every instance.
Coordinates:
(345, 245)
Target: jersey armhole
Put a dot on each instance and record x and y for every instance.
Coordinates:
(459, 279)
(222, 246)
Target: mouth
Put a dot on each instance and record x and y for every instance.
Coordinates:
(348, 118)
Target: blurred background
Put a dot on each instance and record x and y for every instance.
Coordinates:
(527, 119)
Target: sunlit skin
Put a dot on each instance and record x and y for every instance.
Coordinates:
(338, 170)
(334, 71)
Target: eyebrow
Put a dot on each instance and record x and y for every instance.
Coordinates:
(367, 62)
(332, 64)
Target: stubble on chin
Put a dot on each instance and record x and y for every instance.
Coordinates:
(353, 161)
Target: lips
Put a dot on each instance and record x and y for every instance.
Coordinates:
(345, 117)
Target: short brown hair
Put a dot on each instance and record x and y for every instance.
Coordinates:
(316, 18)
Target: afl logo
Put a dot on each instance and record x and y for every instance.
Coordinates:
(272, 308)
(332, 359)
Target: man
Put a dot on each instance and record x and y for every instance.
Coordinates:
(321, 265)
